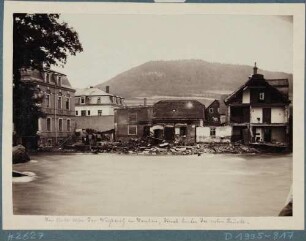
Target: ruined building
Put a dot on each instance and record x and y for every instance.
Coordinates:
(259, 111)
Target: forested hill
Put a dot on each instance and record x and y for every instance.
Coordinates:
(184, 78)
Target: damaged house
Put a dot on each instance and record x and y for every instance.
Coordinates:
(176, 120)
(133, 122)
(259, 111)
(215, 128)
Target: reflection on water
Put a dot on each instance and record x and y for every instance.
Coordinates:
(131, 185)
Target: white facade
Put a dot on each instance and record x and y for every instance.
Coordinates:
(246, 97)
(94, 110)
(256, 115)
(279, 115)
(96, 102)
(214, 133)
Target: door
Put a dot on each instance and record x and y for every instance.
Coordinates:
(246, 115)
(266, 115)
(169, 133)
(267, 135)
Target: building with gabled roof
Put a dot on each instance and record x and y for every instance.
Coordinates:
(176, 120)
(259, 112)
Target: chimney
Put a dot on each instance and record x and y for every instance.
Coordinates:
(145, 101)
(107, 89)
(90, 87)
(255, 69)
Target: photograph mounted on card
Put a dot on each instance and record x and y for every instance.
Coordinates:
(153, 116)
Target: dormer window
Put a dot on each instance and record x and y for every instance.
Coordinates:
(262, 96)
(82, 100)
(59, 80)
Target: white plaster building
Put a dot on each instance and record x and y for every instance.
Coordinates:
(96, 102)
(94, 108)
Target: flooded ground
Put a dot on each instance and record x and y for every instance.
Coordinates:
(131, 185)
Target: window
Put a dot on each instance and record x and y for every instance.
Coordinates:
(59, 80)
(49, 142)
(48, 103)
(99, 100)
(83, 112)
(59, 102)
(39, 124)
(47, 77)
(99, 112)
(211, 110)
(132, 117)
(183, 131)
(212, 131)
(76, 112)
(67, 104)
(68, 125)
(60, 124)
(261, 96)
(132, 129)
(82, 100)
(88, 112)
(48, 124)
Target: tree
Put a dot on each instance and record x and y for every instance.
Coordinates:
(39, 41)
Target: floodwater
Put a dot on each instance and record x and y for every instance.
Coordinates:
(137, 185)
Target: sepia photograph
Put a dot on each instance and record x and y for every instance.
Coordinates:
(152, 115)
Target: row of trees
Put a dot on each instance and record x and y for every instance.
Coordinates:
(39, 42)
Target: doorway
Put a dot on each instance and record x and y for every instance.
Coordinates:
(266, 115)
(169, 133)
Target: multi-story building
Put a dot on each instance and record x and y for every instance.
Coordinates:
(94, 108)
(58, 124)
(259, 111)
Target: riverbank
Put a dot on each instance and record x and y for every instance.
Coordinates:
(142, 148)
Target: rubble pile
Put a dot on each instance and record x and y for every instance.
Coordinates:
(144, 147)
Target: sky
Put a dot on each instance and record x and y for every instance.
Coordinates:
(115, 43)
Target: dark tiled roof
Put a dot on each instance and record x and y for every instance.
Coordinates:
(178, 109)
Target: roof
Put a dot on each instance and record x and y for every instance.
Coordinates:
(138, 101)
(93, 91)
(36, 75)
(256, 80)
(282, 85)
(178, 109)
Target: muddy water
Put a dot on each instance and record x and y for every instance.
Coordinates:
(131, 185)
